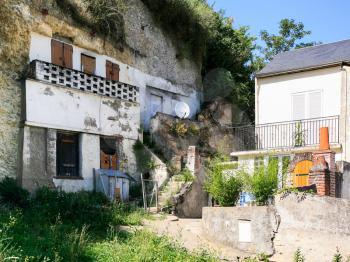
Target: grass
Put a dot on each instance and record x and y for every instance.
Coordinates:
(57, 226)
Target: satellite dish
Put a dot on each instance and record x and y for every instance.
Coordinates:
(182, 110)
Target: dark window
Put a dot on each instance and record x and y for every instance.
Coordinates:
(88, 64)
(61, 54)
(109, 154)
(112, 71)
(68, 154)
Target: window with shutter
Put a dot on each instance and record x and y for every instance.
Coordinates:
(56, 52)
(299, 106)
(109, 70)
(116, 70)
(315, 104)
(88, 64)
(67, 154)
(67, 56)
(61, 54)
(112, 71)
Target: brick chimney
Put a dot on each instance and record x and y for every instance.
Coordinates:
(322, 172)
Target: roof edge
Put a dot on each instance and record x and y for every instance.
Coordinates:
(299, 70)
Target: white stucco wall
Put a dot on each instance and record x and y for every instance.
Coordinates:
(274, 94)
(40, 49)
(65, 108)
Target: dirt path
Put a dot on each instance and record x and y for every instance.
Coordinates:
(188, 233)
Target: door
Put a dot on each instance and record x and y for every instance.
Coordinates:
(156, 104)
(301, 173)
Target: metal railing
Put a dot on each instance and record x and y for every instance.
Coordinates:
(76, 79)
(285, 134)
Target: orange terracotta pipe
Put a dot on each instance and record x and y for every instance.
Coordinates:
(324, 138)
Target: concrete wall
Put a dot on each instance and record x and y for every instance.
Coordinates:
(69, 109)
(40, 49)
(224, 225)
(274, 94)
(315, 224)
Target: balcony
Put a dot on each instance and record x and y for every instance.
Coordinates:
(285, 135)
(75, 79)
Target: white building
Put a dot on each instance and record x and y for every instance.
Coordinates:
(84, 111)
(296, 94)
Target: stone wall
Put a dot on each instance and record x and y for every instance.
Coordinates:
(318, 225)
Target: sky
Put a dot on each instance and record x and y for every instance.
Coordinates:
(329, 20)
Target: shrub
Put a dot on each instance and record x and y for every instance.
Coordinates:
(298, 256)
(179, 129)
(337, 257)
(263, 183)
(224, 189)
(11, 193)
(186, 175)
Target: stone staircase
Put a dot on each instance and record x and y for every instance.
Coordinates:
(166, 194)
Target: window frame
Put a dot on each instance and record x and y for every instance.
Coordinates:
(307, 104)
(59, 155)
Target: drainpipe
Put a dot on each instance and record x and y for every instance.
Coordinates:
(346, 110)
(257, 91)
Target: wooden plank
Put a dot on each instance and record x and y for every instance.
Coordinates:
(68, 56)
(115, 72)
(56, 52)
(109, 70)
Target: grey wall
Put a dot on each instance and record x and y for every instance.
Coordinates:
(318, 225)
(221, 224)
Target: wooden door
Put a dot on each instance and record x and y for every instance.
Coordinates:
(301, 173)
(109, 161)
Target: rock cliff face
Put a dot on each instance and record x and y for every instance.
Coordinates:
(146, 48)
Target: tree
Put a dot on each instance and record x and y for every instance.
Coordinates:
(289, 37)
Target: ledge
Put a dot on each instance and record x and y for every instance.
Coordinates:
(335, 147)
(69, 177)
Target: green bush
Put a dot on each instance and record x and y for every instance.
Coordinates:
(264, 182)
(11, 193)
(225, 189)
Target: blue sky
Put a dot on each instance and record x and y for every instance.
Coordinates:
(329, 20)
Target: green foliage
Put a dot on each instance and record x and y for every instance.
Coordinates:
(298, 256)
(299, 139)
(337, 257)
(59, 226)
(102, 16)
(224, 189)
(178, 129)
(143, 246)
(190, 21)
(263, 183)
(185, 175)
(143, 159)
(11, 193)
(290, 34)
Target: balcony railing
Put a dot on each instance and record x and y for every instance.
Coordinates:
(285, 134)
(76, 79)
